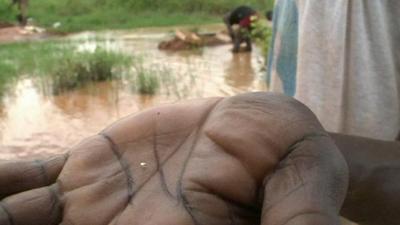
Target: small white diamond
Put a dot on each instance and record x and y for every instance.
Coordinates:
(143, 164)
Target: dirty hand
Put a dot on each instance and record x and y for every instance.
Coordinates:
(250, 159)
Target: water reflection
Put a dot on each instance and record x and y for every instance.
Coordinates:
(239, 72)
(34, 123)
(89, 99)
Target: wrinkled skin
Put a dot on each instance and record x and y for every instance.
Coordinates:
(245, 160)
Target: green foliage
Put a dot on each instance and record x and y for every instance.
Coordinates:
(79, 68)
(77, 15)
(150, 79)
(7, 74)
(217, 7)
(4, 80)
(7, 12)
(29, 58)
(23, 58)
(261, 35)
(61, 63)
(69, 69)
(61, 66)
(146, 80)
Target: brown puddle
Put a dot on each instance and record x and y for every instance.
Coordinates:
(33, 123)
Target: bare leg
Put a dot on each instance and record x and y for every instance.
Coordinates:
(236, 42)
(248, 44)
(23, 15)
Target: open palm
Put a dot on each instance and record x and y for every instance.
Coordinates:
(250, 159)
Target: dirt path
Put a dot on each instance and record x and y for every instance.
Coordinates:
(10, 34)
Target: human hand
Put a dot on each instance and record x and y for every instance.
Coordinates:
(250, 159)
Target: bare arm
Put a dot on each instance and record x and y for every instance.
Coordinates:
(228, 25)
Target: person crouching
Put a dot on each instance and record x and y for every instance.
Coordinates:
(238, 22)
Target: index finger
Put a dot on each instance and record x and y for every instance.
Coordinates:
(19, 176)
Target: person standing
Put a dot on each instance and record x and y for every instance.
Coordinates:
(22, 6)
(340, 58)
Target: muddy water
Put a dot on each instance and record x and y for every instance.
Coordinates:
(34, 123)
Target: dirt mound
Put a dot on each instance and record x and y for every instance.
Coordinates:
(189, 40)
(14, 33)
(5, 24)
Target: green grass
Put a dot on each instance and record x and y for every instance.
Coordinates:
(60, 63)
(60, 67)
(261, 35)
(77, 15)
(144, 19)
(147, 82)
(20, 59)
(4, 83)
(158, 78)
(28, 58)
(76, 69)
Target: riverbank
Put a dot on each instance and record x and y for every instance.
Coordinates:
(36, 122)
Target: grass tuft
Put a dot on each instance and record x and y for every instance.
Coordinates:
(79, 68)
(146, 80)
(61, 63)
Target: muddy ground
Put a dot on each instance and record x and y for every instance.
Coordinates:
(12, 33)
